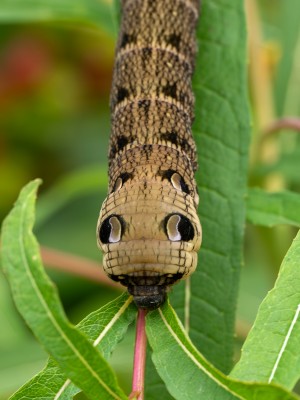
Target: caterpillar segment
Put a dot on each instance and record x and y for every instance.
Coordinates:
(148, 228)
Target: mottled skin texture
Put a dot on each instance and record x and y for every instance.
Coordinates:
(148, 227)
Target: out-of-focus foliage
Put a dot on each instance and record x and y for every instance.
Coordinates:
(95, 14)
(54, 100)
(274, 56)
(54, 95)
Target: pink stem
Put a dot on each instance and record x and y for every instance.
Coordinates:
(139, 357)
(77, 266)
(292, 123)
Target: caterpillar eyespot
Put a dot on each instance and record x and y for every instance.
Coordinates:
(172, 230)
(118, 185)
(178, 227)
(152, 157)
(111, 229)
(125, 176)
(176, 180)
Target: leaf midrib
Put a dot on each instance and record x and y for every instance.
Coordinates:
(193, 358)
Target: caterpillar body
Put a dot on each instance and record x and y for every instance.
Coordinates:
(148, 228)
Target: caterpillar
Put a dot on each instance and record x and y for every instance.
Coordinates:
(148, 228)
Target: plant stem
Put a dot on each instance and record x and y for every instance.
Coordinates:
(292, 123)
(76, 266)
(139, 363)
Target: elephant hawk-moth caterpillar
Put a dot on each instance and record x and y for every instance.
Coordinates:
(148, 228)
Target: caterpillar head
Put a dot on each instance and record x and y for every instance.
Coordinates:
(150, 233)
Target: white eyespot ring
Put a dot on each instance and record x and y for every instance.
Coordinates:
(179, 227)
(116, 230)
(172, 228)
(176, 181)
(118, 184)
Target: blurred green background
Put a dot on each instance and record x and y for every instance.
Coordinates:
(54, 106)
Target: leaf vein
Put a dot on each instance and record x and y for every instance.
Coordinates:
(286, 339)
(193, 358)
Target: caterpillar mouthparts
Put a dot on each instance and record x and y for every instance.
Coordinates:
(148, 297)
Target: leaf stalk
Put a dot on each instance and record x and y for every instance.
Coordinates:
(138, 379)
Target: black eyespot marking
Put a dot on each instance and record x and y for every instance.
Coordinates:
(122, 94)
(170, 90)
(122, 141)
(167, 174)
(186, 229)
(125, 176)
(121, 180)
(177, 227)
(104, 231)
(184, 186)
(127, 39)
(173, 40)
(112, 229)
(170, 137)
(176, 180)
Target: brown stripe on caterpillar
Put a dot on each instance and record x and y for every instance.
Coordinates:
(139, 73)
(148, 226)
(181, 23)
(153, 122)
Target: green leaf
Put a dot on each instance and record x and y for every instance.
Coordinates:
(38, 302)
(271, 350)
(186, 372)
(105, 328)
(270, 209)
(99, 13)
(221, 132)
(155, 387)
